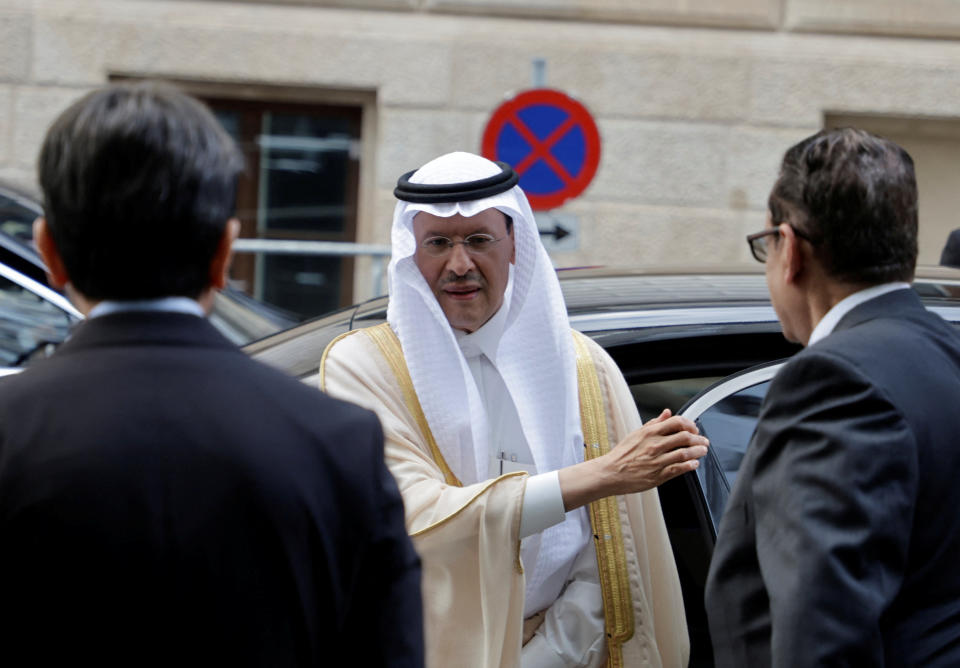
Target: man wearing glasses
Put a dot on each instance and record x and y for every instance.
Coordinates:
(840, 541)
(510, 438)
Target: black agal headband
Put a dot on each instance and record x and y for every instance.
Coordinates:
(438, 193)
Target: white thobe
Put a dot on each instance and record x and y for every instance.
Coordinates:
(572, 633)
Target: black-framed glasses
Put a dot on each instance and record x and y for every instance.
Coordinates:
(475, 244)
(758, 241)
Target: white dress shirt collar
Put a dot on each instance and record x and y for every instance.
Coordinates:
(162, 304)
(829, 321)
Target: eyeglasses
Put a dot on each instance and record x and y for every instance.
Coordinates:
(758, 241)
(475, 244)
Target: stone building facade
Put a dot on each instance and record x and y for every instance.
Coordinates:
(695, 100)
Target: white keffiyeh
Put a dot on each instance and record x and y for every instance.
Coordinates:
(535, 356)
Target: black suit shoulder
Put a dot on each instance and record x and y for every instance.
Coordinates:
(202, 498)
(188, 401)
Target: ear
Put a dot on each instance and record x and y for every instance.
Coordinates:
(56, 271)
(220, 264)
(793, 254)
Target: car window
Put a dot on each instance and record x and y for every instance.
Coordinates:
(727, 413)
(652, 398)
(729, 424)
(27, 323)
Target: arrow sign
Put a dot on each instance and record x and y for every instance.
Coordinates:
(558, 232)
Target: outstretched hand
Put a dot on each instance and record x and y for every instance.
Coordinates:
(663, 448)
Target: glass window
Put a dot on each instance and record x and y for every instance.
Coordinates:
(729, 425)
(652, 398)
(301, 183)
(27, 324)
(306, 163)
(303, 284)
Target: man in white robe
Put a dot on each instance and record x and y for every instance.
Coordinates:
(528, 484)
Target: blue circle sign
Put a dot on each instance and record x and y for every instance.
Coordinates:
(550, 140)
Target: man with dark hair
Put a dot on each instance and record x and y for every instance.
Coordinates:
(148, 147)
(835, 548)
(165, 500)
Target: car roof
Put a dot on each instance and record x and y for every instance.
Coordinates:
(701, 305)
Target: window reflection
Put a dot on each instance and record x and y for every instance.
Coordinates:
(652, 398)
(301, 183)
(729, 425)
(27, 323)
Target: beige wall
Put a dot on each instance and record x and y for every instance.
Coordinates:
(696, 100)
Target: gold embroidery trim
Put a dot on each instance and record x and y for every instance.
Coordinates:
(389, 345)
(604, 513)
(483, 490)
(323, 358)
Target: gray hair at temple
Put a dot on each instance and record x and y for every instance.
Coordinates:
(855, 196)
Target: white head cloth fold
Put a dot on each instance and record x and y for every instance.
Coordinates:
(535, 356)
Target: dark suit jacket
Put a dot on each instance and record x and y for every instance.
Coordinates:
(164, 500)
(840, 544)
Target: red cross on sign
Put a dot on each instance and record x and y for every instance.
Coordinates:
(550, 140)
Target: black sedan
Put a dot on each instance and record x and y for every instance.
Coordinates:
(704, 344)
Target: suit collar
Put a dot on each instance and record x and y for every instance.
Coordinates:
(830, 319)
(167, 304)
(134, 328)
(898, 303)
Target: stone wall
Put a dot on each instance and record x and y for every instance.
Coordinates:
(695, 100)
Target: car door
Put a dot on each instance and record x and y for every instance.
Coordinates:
(692, 504)
(726, 413)
(32, 316)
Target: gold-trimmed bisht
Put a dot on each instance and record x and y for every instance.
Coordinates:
(604, 514)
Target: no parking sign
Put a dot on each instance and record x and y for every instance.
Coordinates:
(550, 140)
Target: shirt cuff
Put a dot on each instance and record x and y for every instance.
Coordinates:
(542, 504)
